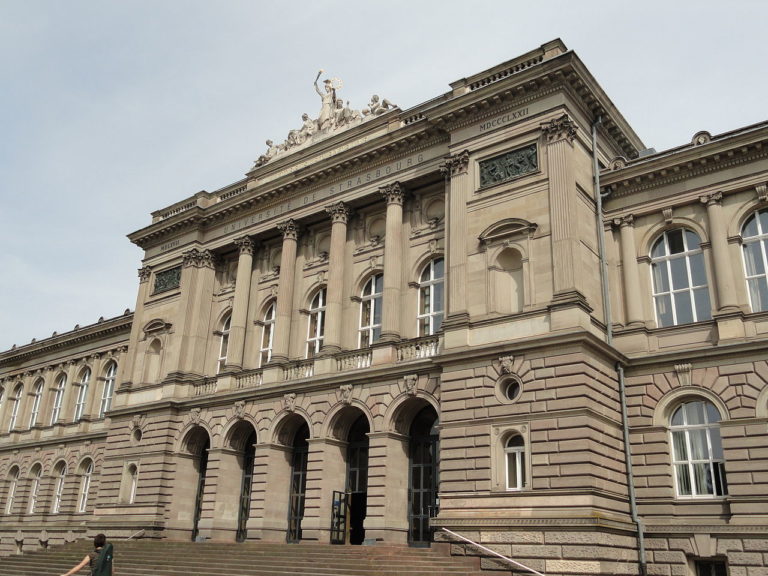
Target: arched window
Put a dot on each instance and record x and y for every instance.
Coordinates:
(267, 335)
(370, 311)
(697, 450)
(82, 394)
(85, 485)
(37, 395)
(224, 346)
(13, 483)
(514, 453)
(58, 397)
(152, 361)
(18, 393)
(680, 291)
(34, 489)
(431, 297)
(755, 241)
(109, 389)
(58, 491)
(316, 329)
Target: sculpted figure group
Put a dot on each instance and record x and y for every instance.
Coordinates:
(334, 115)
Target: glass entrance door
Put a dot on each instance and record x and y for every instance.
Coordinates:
(339, 507)
(423, 477)
(357, 479)
(244, 508)
(202, 468)
(298, 483)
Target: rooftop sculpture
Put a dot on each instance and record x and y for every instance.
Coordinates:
(334, 115)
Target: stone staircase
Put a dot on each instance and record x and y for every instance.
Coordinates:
(173, 558)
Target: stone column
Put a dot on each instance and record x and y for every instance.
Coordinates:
(7, 386)
(339, 216)
(70, 393)
(197, 281)
(95, 388)
(240, 305)
(457, 190)
(560, 134)
(630, 273)
(387, 511)
(133, 343)
(723, 273)
(285, 291)
(393, 260)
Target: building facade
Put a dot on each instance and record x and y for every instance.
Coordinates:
(494, 312)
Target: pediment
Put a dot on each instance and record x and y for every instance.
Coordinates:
(155, 326)
(507, 228)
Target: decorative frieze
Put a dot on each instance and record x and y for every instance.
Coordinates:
(508, 166)
(167, 280)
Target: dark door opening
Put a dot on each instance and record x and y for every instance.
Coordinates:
(298, 483)
(244, 508)
(422, 477)
(202, 468)
(357, 479)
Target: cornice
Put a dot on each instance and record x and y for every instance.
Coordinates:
(67, 339)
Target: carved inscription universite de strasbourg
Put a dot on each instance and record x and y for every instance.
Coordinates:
(508, 166)
(167, 280)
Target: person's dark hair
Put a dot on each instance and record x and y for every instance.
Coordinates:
(99, 540)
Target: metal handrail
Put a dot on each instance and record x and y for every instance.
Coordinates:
(493, 552)
(138, 534)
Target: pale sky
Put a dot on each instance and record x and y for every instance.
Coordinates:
(112, 109)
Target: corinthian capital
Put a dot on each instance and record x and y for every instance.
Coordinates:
(198, 258)
(338, 212)
(456, 164)
(393, 193)
(711, 199)
(559, 129)
(289, 228)
(144, 274)
(245, 244)
(624, 221)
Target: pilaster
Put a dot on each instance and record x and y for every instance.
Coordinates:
(138, 320)
(458, 188)
(630, 274)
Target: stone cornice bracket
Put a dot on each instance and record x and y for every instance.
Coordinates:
(289, 402)
(289, 229)
(144, 273)
(560, 128)
(710, 199)
(345, 392)
(667, 214)
(683, 372)
(246, 245)
(198, 258)
(455, 165)
(394, 193)
(339, 212)
(762, 192)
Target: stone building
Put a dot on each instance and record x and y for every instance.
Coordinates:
(495, 312)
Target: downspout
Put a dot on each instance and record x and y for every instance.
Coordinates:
(619, 367)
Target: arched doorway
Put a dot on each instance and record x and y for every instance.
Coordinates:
(198, 444)
(357, 478)
(298, 482)
(423, 454)
(244, 507)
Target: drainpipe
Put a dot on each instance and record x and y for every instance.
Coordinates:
(619, 367)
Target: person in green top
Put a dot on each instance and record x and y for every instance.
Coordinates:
(100, 561)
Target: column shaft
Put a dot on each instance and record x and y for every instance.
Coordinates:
(726, 293)
(285, 291)
(630, 273)
(138, 316)
(240, 305)
(339, 216)
(458, 187)
(393, 259)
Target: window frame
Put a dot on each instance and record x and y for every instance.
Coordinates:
(13, 485)
(82, 394)
(428, 286)
(18, 394)
(85, 486)
(58, 490)
(37, 397)
(108, 390)
(267, 333)
(369, 333)
(316, 320)
(761, 238)
(58, 398)
(34, 489)
(518, 454)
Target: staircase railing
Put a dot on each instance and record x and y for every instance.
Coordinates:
(138, 534)
(492, 552)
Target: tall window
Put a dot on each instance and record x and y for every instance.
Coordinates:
(514, 452)
(680, 290)
(697, 450)
(37, 395)
(18, 392)
(109, 390)
(431, 291)
(13, 483)
(82, 394)
(224, 346)
(267, 335)
(370, 311)
(133, 474)
(755, 237)
(58, 490)
(58, 397)
(34, 490)
(316, 330)
(85, 485)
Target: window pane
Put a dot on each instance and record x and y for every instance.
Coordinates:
(679, 273)
(379, 281)
(683, 480)
(695, 413)
(658, 249)
(438, 322)
(439, 268)
(758, 293)
(683, 307)
(680, 452)
(660, 277)
(703, 478)
(753, 258)
(712, 413)
(699, 450)
(512, 470)
(377, 333)
(692, 239)
(664, 310)
(721, 486)
(717, 444)
(377, 311)
(698, 273)
(763, 218)
(750, 228)
(675, 241)
(438, 299)
(424, 303)
(703, 306)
